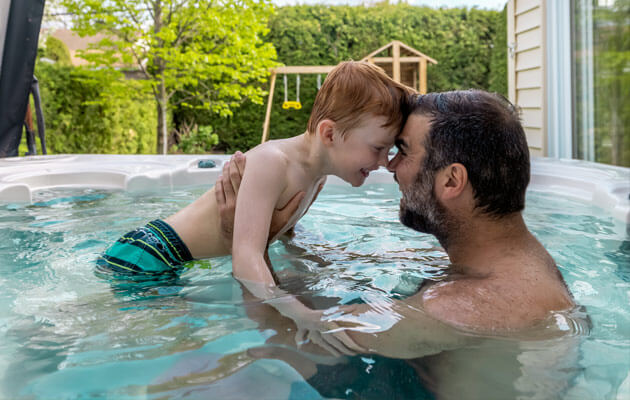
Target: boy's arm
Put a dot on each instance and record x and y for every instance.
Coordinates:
(311, 324)
(226, 191)
(264, 180)
(262, 184)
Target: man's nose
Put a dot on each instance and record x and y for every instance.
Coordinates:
(391, 166)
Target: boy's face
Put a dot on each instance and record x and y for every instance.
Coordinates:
(363, 149)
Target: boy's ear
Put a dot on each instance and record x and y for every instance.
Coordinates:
(451, 181)
(326, 131)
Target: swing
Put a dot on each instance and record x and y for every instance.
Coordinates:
(292, 104)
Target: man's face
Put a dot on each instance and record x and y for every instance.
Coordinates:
(406, 165)
(419, 208)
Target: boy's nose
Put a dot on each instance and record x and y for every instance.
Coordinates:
(382, 159)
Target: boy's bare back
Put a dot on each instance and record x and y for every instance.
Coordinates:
(198, 224)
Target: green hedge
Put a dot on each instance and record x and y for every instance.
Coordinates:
(468, 44)
(497, 81)
(98, 111)
(95, 111)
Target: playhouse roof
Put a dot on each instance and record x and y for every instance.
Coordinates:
(405, 51)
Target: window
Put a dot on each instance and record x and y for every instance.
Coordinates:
(601, 80)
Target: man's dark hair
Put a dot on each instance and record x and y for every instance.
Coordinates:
(483, 132)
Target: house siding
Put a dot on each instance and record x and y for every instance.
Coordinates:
(526, 68)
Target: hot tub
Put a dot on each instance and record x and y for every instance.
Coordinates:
(605, 186)
(67, 333)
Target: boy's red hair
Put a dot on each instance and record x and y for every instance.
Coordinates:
(355, 88)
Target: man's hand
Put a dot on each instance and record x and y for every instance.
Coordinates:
(226, 192)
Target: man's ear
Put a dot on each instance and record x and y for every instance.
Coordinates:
(326, 131)
(451, 181)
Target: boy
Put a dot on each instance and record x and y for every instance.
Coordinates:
(354, 121)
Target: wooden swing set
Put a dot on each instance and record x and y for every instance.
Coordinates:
(402, 63)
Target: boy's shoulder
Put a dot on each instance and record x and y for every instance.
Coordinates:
(271, 152)
(268, 160)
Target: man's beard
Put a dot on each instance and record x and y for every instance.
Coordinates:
(421, 211)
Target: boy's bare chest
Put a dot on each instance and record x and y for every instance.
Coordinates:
(299, 181)
(295, 185)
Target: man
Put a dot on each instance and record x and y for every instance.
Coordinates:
(463, 168)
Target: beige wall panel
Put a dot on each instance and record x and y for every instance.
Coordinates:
(529, 59)
(532, 117)
(526, 18)
(524, 5)
(529, 98)
(534, 137)
(530, 19)
(529, 39)
(530, 78)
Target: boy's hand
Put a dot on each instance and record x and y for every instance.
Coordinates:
(226, 192)
(329, 335)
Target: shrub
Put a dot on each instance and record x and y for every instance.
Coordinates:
(497, 81)
(95, 111)
(195, 140)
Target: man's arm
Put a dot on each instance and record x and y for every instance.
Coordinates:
(411, 333)
(263, 183)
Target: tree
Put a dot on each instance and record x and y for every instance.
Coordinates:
(56, 50)
(612, 83)
(210, 51)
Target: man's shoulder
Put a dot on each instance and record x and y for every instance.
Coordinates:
(480, 304)
(457, 302)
